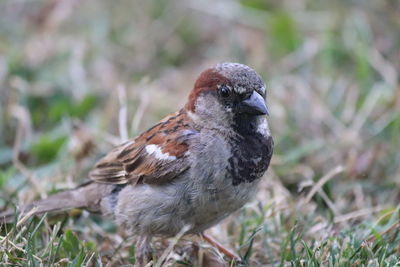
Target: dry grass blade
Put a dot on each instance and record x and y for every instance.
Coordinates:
(357, 214)
(390, 229)
(140, 111)
(171, 245)
(123, 113)
(322, 181)
(23, 118)
(20, 222)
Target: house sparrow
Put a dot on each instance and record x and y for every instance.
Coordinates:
(192, 169)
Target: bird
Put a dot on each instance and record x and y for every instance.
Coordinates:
(189, 171)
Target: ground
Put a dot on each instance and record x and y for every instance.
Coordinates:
(78, 77)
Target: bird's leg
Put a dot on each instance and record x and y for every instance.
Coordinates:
(143, 251)
(227, 252)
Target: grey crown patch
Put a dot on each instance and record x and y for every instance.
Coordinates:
(242, 77)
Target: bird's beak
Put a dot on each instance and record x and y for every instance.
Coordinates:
(254, 105)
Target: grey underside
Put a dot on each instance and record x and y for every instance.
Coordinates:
(200, 198)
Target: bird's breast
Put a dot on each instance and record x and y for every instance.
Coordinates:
(250, 157)
(224, 176)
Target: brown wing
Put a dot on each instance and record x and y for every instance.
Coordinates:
(156, 156)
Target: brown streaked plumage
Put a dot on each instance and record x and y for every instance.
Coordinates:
(132, 163)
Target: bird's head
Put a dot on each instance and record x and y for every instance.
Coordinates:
(229, 95)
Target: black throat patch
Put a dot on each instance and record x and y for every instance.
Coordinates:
(251, 153)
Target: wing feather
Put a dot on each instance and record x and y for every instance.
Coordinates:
(156, 156)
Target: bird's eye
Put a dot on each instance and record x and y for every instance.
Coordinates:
(224, 92)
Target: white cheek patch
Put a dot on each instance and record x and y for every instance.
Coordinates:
(157, 153)
(263, 127)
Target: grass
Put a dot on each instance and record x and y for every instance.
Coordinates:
(330, 197)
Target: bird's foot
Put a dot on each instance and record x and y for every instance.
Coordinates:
(225, 251)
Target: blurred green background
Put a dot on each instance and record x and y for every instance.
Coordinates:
(78, 77)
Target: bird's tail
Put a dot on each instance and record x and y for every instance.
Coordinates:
(86, 196)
